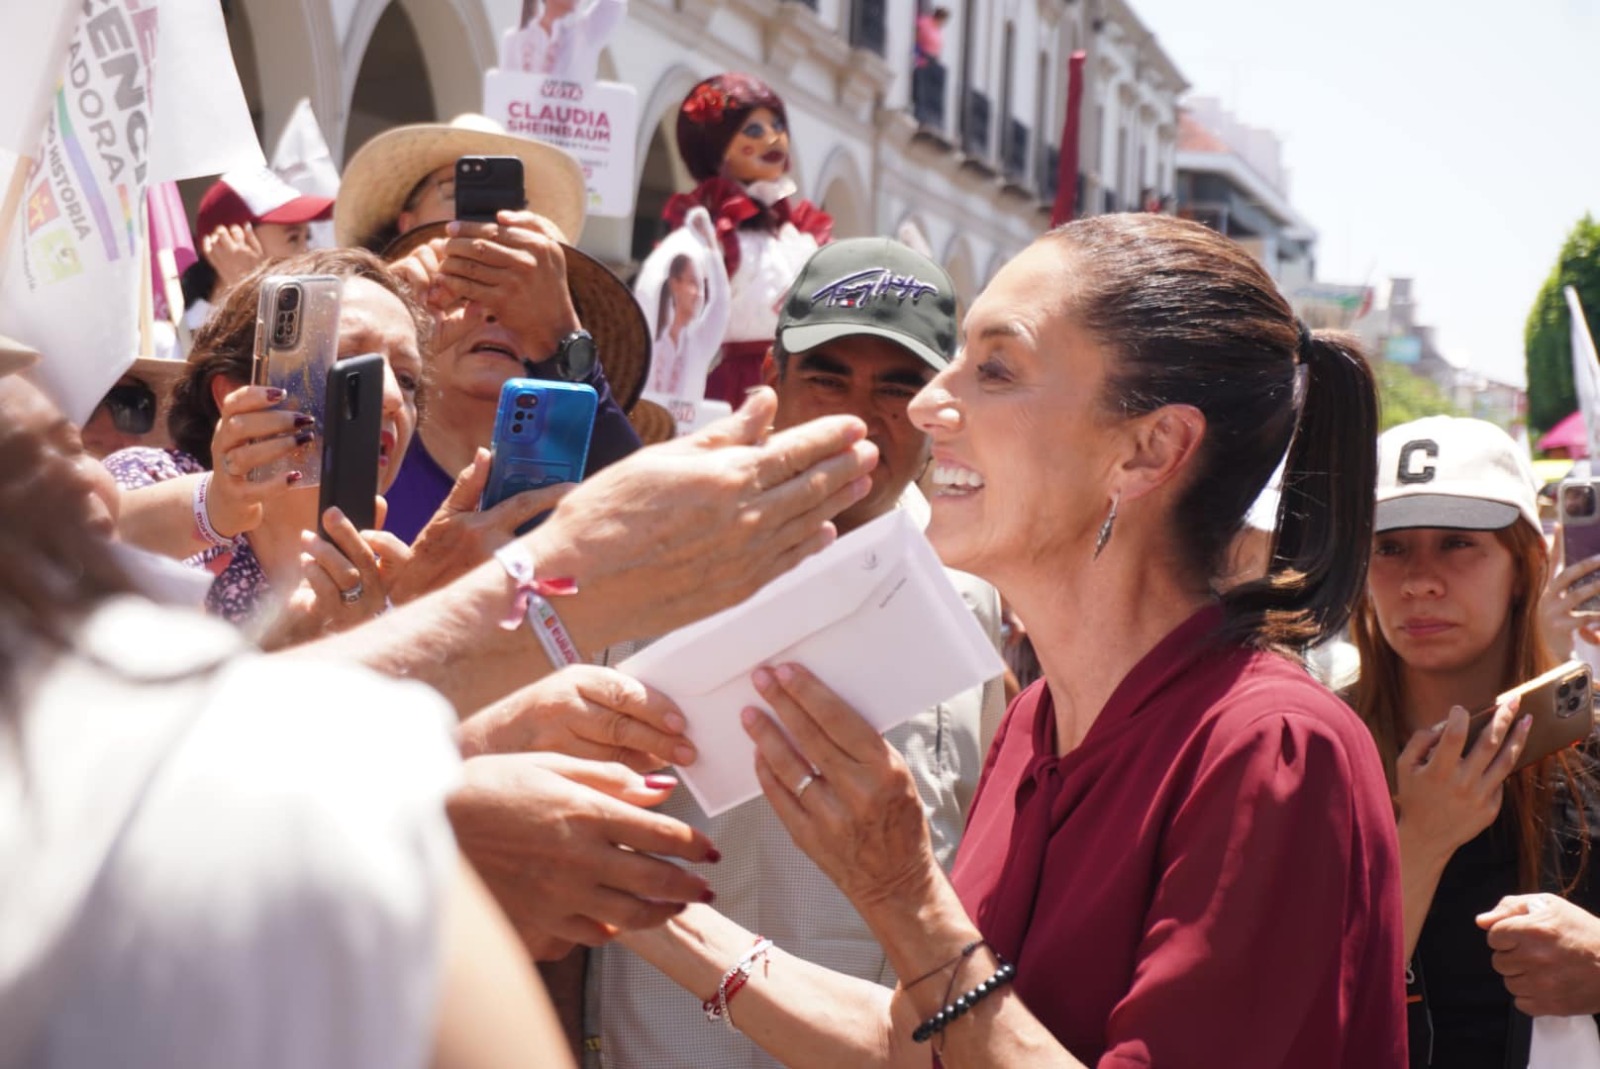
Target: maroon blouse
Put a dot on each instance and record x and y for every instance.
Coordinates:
(1210, 879)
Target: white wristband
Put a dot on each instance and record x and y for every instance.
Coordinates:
(202, 516)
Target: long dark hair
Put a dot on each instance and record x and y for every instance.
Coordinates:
(1379, 698)
(1193, 319)
(225, 345)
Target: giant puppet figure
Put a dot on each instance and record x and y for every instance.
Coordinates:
(733, 135)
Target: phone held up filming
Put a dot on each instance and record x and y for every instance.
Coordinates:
(541, 438)
(1579, 521)
(297, 342)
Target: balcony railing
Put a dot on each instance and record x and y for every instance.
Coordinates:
(975, 125)
(869, 24)
(927, 94)
(1014, 151)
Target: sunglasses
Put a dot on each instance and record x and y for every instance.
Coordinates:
(132, 407)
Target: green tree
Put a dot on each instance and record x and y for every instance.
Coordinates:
(1551, 395)
(1403, 396)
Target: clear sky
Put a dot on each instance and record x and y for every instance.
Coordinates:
(1452, 141)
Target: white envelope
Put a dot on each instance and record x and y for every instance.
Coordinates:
(873, 616)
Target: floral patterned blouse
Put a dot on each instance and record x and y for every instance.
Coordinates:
(240, 587)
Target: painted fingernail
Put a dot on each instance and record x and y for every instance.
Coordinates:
(658, 781)
(294, 477)
(302, 437)
(275, 393)
(683, 754)
(713, 855)
(676, 723)
(304, 419)
(708, 896)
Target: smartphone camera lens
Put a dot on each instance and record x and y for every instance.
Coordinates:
(1578, 500)
(527, 400)
(289, 297)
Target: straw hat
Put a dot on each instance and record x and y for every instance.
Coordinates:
(605, 306)
(15, 356)
(385, 170)
(652, 422)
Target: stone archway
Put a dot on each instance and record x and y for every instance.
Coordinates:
(410, 61)
(961, 265)
(392, 86)
(844, 196)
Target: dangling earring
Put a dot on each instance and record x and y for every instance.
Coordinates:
(1105, 528)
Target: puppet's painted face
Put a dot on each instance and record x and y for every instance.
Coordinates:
(759, 151)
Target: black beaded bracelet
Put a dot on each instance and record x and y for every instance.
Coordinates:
(937, 1023)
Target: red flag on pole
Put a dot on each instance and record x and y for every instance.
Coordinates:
(1067, 168)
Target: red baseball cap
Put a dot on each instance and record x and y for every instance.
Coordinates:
(257, 196)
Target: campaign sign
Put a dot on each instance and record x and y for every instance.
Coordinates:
(594, 121)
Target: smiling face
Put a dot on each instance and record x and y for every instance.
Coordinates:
(759, 151)
(1443, 597)
(373, 320)
(1022, 446)
(871, 378)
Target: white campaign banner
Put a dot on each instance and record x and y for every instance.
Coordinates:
(594, 121)
(30, 61)
(75, 259)
(1585, 374)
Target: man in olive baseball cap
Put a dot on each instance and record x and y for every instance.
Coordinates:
(865, 326)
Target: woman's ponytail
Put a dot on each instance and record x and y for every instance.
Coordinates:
(1324, 531)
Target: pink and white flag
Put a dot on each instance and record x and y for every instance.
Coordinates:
(144, 92)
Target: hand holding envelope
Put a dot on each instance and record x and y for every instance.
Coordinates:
(873, 616)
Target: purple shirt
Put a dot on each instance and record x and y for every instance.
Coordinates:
(422, 485)
(240, 587)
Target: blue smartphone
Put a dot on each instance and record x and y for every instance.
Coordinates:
(541, 437)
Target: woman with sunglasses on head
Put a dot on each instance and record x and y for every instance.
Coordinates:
(1182, 851)
(1500, 901)
(254, 533)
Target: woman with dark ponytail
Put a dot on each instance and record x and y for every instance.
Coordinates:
(1182, 851)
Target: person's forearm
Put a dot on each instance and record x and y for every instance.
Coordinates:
(801, 1013)
(1420, 870)
(160, 518)
(928, 940)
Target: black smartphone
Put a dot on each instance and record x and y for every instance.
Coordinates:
(1561, 703)
(353, 420)
(488, 185)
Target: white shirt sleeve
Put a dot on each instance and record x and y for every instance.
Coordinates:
(277, 897)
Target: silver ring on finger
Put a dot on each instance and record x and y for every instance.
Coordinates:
(805, 784)
(353, 595)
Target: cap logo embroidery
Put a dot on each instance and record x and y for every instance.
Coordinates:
(875, 283)
(1406, 475)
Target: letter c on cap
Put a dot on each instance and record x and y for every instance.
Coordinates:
(1406, 475)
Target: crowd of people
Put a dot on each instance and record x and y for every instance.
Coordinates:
(273, 798)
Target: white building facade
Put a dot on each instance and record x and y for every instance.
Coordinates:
(965, 158)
